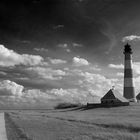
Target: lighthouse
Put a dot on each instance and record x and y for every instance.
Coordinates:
(129, 92)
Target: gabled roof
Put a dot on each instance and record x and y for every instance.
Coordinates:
(114, 94)
(138, 96)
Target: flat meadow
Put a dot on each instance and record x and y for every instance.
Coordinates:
(117, 123)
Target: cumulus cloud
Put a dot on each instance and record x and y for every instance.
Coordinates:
(77, 45)
(136, 67)
(95, 68)
(15, 94)
(57, 61)
(65, 47)
(58, 26)
(96, 84)
(77, 61)
(70, 95)
(120, 74)
(92, 83)
(48, 73)
(12, 94)
(41, 49)
(89, 87)
(11, 58)
(68, 50)
(31, 59)
(119, 66)
(75, 95)
(137, 84)
(10, 88)
(131, 38)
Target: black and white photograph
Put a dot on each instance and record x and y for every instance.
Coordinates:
(70, 70)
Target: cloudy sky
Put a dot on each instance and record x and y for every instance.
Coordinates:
(65, 50)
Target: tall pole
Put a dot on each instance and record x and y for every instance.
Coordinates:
(129, 92)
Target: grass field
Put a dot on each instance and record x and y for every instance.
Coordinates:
(118, 123)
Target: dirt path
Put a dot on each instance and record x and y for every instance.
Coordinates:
(3, 135)
(13, 131)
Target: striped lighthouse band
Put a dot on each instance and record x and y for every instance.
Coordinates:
(128, 64)
(128, 56)
(128, 73)
(128, 82)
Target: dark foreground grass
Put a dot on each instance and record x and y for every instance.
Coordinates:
(121, 123)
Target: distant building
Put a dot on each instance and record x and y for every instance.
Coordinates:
(93, 101)
(138, 97)
(113, 98)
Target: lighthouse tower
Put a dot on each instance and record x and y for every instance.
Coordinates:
(128, 92)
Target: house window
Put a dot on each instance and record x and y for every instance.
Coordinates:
(112, 102)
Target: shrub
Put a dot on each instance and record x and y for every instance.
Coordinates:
(66, 105)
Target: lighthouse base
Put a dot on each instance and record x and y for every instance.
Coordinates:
(132, 100)
(129, 94)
